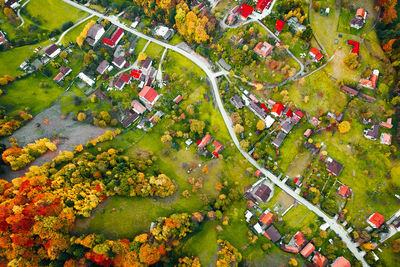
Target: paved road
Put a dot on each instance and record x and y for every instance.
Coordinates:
(340, 231)
(75, 25)
(19, 13)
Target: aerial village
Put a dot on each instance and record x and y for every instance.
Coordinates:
(308, 109)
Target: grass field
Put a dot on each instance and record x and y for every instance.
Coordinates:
(140, 45)
(27, 93)
(154, 51)
(53, 13)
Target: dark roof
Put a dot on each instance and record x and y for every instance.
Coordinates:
(249, 196)
(146, 63)
(256, 108)
(373, 132)
(64, 69)
(333, 166)
(119, 60)
(102, 66)
(367, 97)
(279, 139)
(263, 192)
(273, 233)
(133, 116)
(93, 30)
(51, 49)
(287, 125)
(357, 21)
(350, 91)
(312, 148)
(237, 101)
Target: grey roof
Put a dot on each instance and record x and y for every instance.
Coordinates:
(287, 125)
(225, 65)
(334, 166)
(256, 108)
(118, 60)
(102, 66)
(279, 139)
(133, 116)
(146, 63)
(263, 192)
(312, 148)
(372, 133)
(357, 21)
(93, 30)
(237, 101)
(349, 90)
(273, 233)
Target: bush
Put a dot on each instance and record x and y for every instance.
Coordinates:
(67, 25)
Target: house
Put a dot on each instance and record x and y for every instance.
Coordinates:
(262, 193)
(356, 46)
(287, 126)
(387, 124)
(202, 143)
(314, 121)
(359, 19)
(259, 111)
(279, 25)
(178, 99)
(137, 107)
(315, 54)
(350, 91)
(272, 234)
(94, 34)
(297, 116)
(102, 67)
(386, 139)
(52, 51)
(277, 109)
(307, 250)
(3, 38)
(248, 215)
(245, 11)
(295, 24)
(119, 62)
(115, 38)
(307, 133)
(373, 133)
(269, 121)
(64, 71)
(319, 260)
(279, 139)
(312, 148)
(258, 173)
(376, 220)
(334, 166)
(218, 147)
(225, 65)
(122, 80)
(236, 101)
(86, 79)
(344, 191)
(266, 218)
(257, 227)
(136, 74)
(367, 97)
(263, 49)
(148, 96)
(163, 32)
(341, 262)
(129, 119)
(262, 4)
(371, 82)
(288, 113)
(146, 64)
(295, 244)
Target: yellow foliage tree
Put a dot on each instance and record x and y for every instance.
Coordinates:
(260, 125)
(344, 127)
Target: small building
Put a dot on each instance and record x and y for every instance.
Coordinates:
(258, 173)
(279, 25)
(245, 11)
(262, 4)
(307, 133)
(115, 38)
(3, 38)
(312, 148)
(386, 139)
(307, 250)
(122, 80)
(367, 97)
(146, 64)
(119, 62)
(129, 119)
(148, 96)
(355, 45)
(372, 81)
(350, 91)
(225, 65)
(259, 111)
(287, 125)
(236, 101)
(298, 114)
(341, 262)
(178, 99)
(102, 67)
(344, 191)
(64, 71)
(314, 121)
(376, 220)
(319, 260)
(202, 143)
(315, 54)
(163, 32)
(94, 34)
(248, 215)
(89, 81)
(277, 109)
(295, 24)
(218, 147)
(334, 166)
(388, 124)
(279, 139)
(372, 133)
(266, 218)
(272, 234)
(295, 244)
(257, 227)
(52, 51)
(136, 74)
(269, 121)
(359, 19)
(263, 49)
(137, 107)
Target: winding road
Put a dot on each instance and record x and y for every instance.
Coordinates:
(19, 14)
(334, 225)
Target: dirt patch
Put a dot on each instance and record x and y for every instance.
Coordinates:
(283, 202)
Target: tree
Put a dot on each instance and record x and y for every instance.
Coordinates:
(197, 126)
(244, 144)
(260, 125)
(344, 127)
(238, 128)
(293, 262)
(396, 245)
(166, 139)
(142, 56)
(81, 116)
(9, 13)
(351, 61)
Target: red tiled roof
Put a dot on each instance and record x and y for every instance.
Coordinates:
(356, 46)
(257, 173)
(289, 113)
(178, 99)
(148, 93)
(114, 38)
(290, 249)
(245, 10)
(136, 74)
(206, 139)
(300, 239)
(125, 77)
(307, 250)
(299, 113)
(279, 25)
(262, 4)
(264, 107)
(319, 260)
(266, 218)
(307, 133)
(386, 125)
(341, 262)
(360, 12)
(376, 219)
(344, 191)
(277, 108)
(316, 53)
(263, 49)
(218, 146)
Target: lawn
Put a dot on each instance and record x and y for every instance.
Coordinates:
(389, 257)
(154, 51)
(53, 13)
(27, 93)
(140, 45)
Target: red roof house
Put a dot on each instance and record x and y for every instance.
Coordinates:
(344, 191)
(315, 54)
(264, 107)
(307, 133)
(203, 142)
(148, 95)
(178, 99)
(319, 260)
(262, 4)
(263, 49)
(289, 113)
(300, 239)
(277, 109)
(307, 250)
(376, 220)
(372, 81)
(356, 46)
(258, 173)
(136, 74)
(341, 262)
(267, 218)
(279, 25)
(245, 11)
(115, 38)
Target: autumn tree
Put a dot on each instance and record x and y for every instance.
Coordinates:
(238, 128)
(344, 127)
(260, 125)
(351, 61)
(197, 126)
(81, 116)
